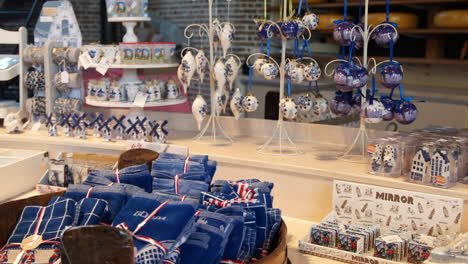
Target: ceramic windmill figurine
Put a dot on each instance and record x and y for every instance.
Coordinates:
(161, 132)
(133, 129)
(119, 127)
(96, 124)
(52, 125)
(81, 126)
(67, 124)
(143, 134)
(105, 130)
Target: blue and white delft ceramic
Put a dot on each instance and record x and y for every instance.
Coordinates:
(236, 104)
(356, 102)
(199, 110)
(391, 75)
(270, 70)
(232, 69)
(250, 103)
(101, 91)
(226, 37)
(346, 78)
(288, 108)
(189, 66)
(388, 108)
(340, 106)
(384, 34)
(220, 74)
(220, 98)
(405, 113)
(172, 91)
(304, 102)
(320, 105)
(154, 91)
(297, 74)
(132, 90)
(202, 64)
(289, 66)
(311, 21)
(114, 93)
(92, 86)
(373, 113)
(301, 27)
(262, 29)
(362, 75)
(258, 65)
(290, 29)
(312, 72)
(342, 33)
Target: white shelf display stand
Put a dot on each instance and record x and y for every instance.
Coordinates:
(212, 132)
(357, 151)
(280, 143)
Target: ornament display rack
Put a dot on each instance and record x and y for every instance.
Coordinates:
(130, 74)
(212, 132)
(19, 38)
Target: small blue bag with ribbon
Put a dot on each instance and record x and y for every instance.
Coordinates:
(135, 175)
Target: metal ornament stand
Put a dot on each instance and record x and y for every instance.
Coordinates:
(213, 132)
(280, 143)
(357, 151)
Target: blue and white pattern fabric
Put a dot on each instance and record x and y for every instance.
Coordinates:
(90, 211)
(192, 176)
(180, 187)
(138, 175)
(274, 223)
(176, 166)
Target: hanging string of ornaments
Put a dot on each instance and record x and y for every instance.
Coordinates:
(225, 69)
(350, 76)
(298, 69)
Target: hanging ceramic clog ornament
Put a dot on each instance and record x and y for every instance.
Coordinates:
(259, 63)
(220, 74)
(250, 103)
(320, 105)
(391, 75)
(405, 112)
(290, 28)
(389, 106)
(385, 35)
(236, 104)
(373, 111)
(199, 110)
(226, 36)
(288, 108)
(340, 104)
(312, 72)
(310, 20)
(304, 102)
(232, 68)
(262, 29)
(202, 64)
(270, 70)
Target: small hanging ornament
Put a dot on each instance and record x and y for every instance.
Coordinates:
(373, 111)
(236, 104)
(391, 75)
(340, 104)
(389, 106)
(220, 98)
(232, 68)
(304, 102)
(202, 64)
(312, 72)
(189, 67)
(270, 70)
(226, 37)
(405, 112)
(199, 110)
(385, 34)
(289, 66)
(346, 77)
(356, 102)
(297, 74)
(358, 40)
(262, 29)
(290, 29)
(362, 76)
(320, 105)
(220, 74)
(250, 103)
(310, 20)
(288, 108)
(343, 33)
(259, 63)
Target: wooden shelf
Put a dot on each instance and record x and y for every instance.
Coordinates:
(109, 104)
(382, 3)
(415, 31)
(408, 60)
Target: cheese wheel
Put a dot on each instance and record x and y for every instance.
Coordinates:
(404, 20)
(452, 19)
(326, 20)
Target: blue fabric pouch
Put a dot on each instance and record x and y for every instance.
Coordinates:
(192, 176)
(176, 166)
(274, 223)
(193, 251)
(90, 211)
(130, 190)
(115, 197)
(135, 175)
(181, 187)
(217, 243)
(250, 234)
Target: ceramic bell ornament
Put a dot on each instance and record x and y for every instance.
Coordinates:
(220, 74)
(226, 36)
(202, 64)
(385, 35)
(172, 89)
(340, 104)
(250, 103)
(236, 104)
(288, 108)
(310, 20)
(304, 102)
(320, 105)
(373, 111)
(405, 112)
(232, 69)
(391, 75)
(270, 70)
(258, 64)
(312, 72)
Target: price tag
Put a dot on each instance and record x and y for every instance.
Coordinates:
(85, 60)
(36, 126)
(140, 99)
(147, 145)
(46, 19)
(103, 65)
(64, 77)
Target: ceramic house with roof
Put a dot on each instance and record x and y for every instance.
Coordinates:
(420, 165)
(440, 167)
